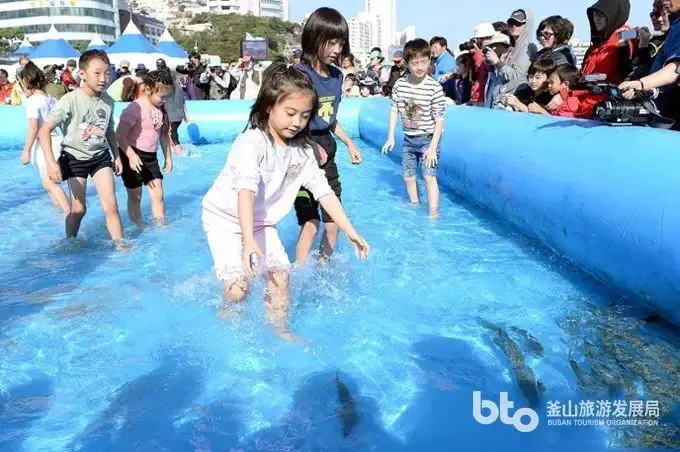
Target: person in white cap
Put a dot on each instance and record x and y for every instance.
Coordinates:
(481, 38)
(123, 68)
(495, 51)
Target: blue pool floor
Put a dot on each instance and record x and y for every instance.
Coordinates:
(106, 351)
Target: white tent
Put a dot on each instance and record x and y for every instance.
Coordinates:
(133, 47)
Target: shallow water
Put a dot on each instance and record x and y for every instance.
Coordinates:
(123, 351)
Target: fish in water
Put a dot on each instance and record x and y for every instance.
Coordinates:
(524, 375)
(348, 410)
(534, 345)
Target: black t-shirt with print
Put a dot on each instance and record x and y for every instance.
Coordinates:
(526, 95)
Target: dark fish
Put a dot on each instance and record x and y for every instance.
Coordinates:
(524, 375)
(348, 410)
(534, 345)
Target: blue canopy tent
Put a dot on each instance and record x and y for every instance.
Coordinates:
(97, 43)
(174, 54)
(133, 47)
(53, 50)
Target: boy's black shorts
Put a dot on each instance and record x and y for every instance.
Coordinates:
(150, 169)
(306, 207)
(72, 167)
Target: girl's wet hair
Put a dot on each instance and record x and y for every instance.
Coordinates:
(33, 77)
(155, 79)
(324, 25)
(278, 82)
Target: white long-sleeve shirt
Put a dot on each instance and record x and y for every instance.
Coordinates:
(273, 172)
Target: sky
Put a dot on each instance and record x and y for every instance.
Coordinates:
(463, 15)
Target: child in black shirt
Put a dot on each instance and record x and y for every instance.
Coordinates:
(534, 93)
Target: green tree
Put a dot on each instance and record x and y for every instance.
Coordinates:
(10, 38)
(80, 46)
(224, 39)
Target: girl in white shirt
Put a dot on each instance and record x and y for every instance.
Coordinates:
(257, 188)
(37, 107)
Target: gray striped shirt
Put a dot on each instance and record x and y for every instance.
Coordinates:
(420, 106)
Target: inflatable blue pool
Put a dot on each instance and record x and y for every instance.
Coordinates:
(550, 282)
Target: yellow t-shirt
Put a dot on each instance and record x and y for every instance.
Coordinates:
(17, 95)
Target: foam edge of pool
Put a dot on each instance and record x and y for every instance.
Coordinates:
(206, 121)
(603, 197)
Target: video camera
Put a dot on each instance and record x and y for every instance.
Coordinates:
(618, 111)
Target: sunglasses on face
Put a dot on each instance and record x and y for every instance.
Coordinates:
(544, 34)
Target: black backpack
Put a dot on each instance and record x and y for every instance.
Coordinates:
(233, 83)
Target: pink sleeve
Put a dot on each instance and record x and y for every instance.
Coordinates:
(132, 115)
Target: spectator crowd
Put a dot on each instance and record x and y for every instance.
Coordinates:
(500, 67)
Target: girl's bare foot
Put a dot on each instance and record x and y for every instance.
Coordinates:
(229, 310)
(434, 214)
(287, 335)
(122, 246)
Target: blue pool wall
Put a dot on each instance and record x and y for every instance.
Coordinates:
(606, 198)
(207, 121)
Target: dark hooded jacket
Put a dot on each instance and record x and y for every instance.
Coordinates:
(605, 55)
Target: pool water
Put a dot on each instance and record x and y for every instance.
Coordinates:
(105, 351)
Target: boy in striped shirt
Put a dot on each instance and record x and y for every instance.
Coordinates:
(421, 103)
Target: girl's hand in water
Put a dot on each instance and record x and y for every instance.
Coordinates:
(252, 253)
(168, 165)
(354, 154)
(25, 157)
(361, 247)
(177, 149)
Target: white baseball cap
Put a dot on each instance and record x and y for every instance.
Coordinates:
(484, 30)
(500, 38)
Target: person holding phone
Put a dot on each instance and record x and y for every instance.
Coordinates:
(481, 38)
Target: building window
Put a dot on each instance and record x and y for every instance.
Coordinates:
(76, 12)
(41, 3)
(69, 28)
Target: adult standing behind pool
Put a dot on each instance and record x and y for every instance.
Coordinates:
(511, 69)
(444, 63)
(554, 34)
(5, 88)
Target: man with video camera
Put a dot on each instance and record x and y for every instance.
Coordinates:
(221, 82)
(664, 71)
(193, 70)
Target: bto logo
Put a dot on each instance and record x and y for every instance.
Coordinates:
(479, 405)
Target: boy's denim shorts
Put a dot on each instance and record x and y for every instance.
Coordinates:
(412, 154)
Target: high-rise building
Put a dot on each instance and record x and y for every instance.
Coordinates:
(384, 16)
(406, 35)
(260, 8)
(360, 36)
(75, 20)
